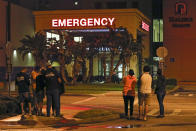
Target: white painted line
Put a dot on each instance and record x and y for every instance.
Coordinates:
(190, 95)
(153, 112)
(189, 109)
(14, 118)
(175, 112)
(176, 94)
(88, 99)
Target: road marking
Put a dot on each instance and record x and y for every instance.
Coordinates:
(190, 95)
(189, 109)
(85, 100)
(153, 112)
(175, 112)
(176, 94)
(14, 118)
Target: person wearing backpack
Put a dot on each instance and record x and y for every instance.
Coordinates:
(129, 92)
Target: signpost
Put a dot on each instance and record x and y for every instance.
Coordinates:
(162, 52)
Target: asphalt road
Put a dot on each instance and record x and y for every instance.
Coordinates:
(180, 112)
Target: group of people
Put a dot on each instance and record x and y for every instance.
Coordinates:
(41, 82)
(144, 92)
(48, 81)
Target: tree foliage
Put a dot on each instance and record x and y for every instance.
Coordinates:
(117, 43)
(36, 45)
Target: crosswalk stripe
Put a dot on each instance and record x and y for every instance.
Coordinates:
(176, 94)
(85, 100)
(175, 112)
(190, 95)
(153, 112)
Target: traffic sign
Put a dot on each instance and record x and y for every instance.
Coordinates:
(162, 52)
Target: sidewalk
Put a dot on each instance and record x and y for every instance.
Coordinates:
(71, 105)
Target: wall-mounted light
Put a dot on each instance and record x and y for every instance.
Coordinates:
(15, 53)
(29, 54)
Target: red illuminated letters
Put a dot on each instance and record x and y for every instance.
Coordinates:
(86, 22)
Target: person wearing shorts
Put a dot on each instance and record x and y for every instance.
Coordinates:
(144, 99)
(40, 85)
(144, 92)
(22, 82)
(34, 74)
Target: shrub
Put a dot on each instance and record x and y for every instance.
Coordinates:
(3, 108)
(171, 81)
(8, 105)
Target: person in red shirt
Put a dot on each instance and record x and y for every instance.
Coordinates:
(129, 92)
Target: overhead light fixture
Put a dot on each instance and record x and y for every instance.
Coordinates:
(76, 3)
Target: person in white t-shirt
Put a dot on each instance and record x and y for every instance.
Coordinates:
(144, 92)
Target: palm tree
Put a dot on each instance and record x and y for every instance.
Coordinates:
(36, 45)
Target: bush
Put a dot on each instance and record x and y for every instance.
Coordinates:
(12, 107)
(171, 81)
(3, 108)
(9, 105)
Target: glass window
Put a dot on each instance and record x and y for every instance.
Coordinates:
(78, 39)
(157, 30)
(56, 36)
(52, 35)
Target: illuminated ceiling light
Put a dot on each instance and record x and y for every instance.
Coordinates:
(76, 3)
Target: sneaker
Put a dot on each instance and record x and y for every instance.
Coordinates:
(160, 116)
(126, 117)
(145, 118)
(30, 114)
(139, 118)
(131, 118)
(22, 113)
(60, 115)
